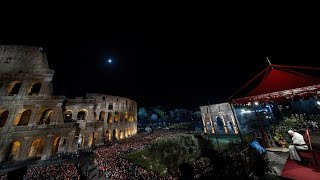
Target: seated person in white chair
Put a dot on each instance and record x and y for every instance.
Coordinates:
(298, 143)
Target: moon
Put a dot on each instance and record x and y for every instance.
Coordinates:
(109, 61)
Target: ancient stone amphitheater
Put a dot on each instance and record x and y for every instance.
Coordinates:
(36, 124)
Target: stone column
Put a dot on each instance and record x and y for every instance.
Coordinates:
(212, 124)
(10, 120)
(23, 154)
(24, 87)
(57, 114)
(48, 148)
(45, 88)
(71, 146)
(224, 123)
(4, 143)
(235, 129)
(90, 116)
(34, 115)
(3, 89)
(100, 137)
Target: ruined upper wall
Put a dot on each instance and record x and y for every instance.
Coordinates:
(26, 59)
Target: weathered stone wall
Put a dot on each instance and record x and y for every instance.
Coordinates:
(36, 124)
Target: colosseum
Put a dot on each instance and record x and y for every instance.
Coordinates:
(35, 124)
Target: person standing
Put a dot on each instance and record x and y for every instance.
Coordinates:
(298, 143)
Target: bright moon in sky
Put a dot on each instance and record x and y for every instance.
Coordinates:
(109, 61)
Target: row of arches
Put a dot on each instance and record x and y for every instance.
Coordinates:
(15, 86)
(220, 125)
(36, 149)
(118, 134)
(110, 116)
(23, 117)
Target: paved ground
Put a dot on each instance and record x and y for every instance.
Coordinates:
(277, 158)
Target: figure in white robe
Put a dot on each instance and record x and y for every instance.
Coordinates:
(297, 143)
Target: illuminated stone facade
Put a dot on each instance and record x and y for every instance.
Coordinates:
(36, 124)
(218, 118)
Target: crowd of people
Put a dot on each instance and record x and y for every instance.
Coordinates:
(65, 171)
(109, 159)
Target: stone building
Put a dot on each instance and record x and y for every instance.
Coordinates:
(218, 118)
(36, 124)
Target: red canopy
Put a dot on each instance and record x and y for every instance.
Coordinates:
(278, 82)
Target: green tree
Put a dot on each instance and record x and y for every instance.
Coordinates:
(174, 151)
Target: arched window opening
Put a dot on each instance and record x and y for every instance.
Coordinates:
(82, 115)
(115, 134)
(126, 116)
(131, 117)
(56, 145)
(14, 88)
(68, 116)
(36, 148)
(45, 117)
(23, 117)
(220, 125)
(13, 151)
(35, 89)
(102, 116)
(121, 135)
(116, 116)
(109, 117)
(3, 117)
(108, 135)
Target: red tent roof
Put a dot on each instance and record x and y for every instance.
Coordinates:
(280, 82)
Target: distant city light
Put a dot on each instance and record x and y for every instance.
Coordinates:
(256, 103)
(318, 102)
(245, 112)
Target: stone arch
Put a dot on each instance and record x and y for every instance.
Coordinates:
(131, 118)
(95, 115)
(56, 145)
(230, 127)
(93, 138)
(102, 116)
(4, 113)
(90, 140)
(109, 117)
(126, 116)
(121, 134)
(14, 88)
(13, 151)
(68, 116)
(22, 117)
(115, 134)
(116, 117)
(82, 140)
(108, 135)
(220, 125)
(82, 114)
(45, 117)
(34, 89)
(36, 148)
(126, 132)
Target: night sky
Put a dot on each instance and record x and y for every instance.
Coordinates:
(164, 53)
